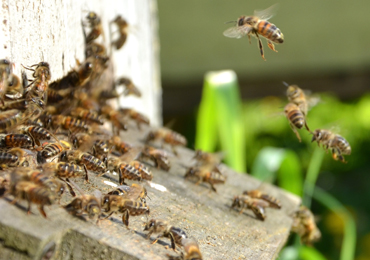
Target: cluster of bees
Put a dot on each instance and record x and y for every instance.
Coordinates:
(296, 112)
(52, 132)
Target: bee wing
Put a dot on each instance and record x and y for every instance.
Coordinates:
(267, 13)
(237, 31)
(97, 194)
(131, 155)
(134, 192)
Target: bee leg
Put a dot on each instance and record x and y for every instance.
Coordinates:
(259, 212)
(155, 240)
(295, 131)
(125, 218)
(241, 211)
(305, 124)
(86, 175)
(271, 46)
(149, 234)
(173, 245)
(14, 201)
(110, 214)
(42, 211)
(121, 179)
(260, 46)
(249, 38)
(69, 187)
(213, 187)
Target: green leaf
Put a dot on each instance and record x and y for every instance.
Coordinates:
(220, 119)
(290, 173)
(349, 237)
(310, 253)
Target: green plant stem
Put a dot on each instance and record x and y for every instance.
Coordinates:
(312, 174)
(349, 235)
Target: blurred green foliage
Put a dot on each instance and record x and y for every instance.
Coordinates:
(273, 153)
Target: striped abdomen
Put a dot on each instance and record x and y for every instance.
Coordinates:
(127, 171)
(18, 140)
(74, 124)
(10, 119)
(66, 170)
(214, 177)
(270, 32)
(146, 174)
(33, 193)
(92, 163)
(51, 150)
(294, 115)
(88, 115)
(6, 158)
(135, 207)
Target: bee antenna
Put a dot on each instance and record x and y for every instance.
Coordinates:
(286, 84)
(230, 22)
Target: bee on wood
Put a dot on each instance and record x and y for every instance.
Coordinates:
(164, 229)
(208, 158)
(134, 115)
(256, 205)
(122, 30)
(20, 157)
(115, 117)
(130, 89)
(191, 248)
(329, 140)
(85, 204)
(68, 123)
(159, 157)
(66, 170)
(51, 150)
(5, 73)
(114, 203)
(257, 194)
(134, 192)
(167, 136)
(91, 162)
(296, 118)
(257, 25)
(85, 142)
(124, 170)
(205, 174)
(119, 145)
(304, 225)
(37, 133)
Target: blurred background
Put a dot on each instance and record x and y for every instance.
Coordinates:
(326, 51)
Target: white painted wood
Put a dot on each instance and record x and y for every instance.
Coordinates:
(36, 30)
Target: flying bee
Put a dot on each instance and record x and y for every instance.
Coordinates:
(120, 145)
(89, 204)
(10, 119)
(300, 98)
(256, 205)
(114, 203)
(94, 23)
(134, 115)
(17, 140)
(5, 73)
(167, 136)
(296, 118)
(304, 225)
(122, 27)
(134, 192)
(155, 226)
(87, 115)
(257, 25)
(159, 157)
(130, 89)
(91, 162)
(338, 145)
(205, 174)
(31, 192)
(257, 194)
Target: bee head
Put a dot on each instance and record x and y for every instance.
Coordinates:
(150, 225)
(316, 135)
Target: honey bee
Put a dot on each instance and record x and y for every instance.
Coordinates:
(257, 25)
(75, 78)
(5, 72)
(69, 123)
(16, 140)
(122, 26)
(91, 162)
(155, 226)
(23, 104)
(23, 157)
(208, 158)
(37, 133)
(89, 204)
(296, 118)
(95, 49)
(84, 142)
(134, 115)
(304, 225)
(191, 248)
(114, 203)
(130, 89)
(94, 23)
(54, 97)
(31, 192)
(66, 170)
(134, 192)
(15, 88)
(39, 86)
(8, 158)
(167, 136)
(338, 145)
(51, 150)
(10, 119)
(87, 115)
(256, 205)
(159, 157)
(124, 170)
(205, 174)
(257, 194)
(115, 117)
